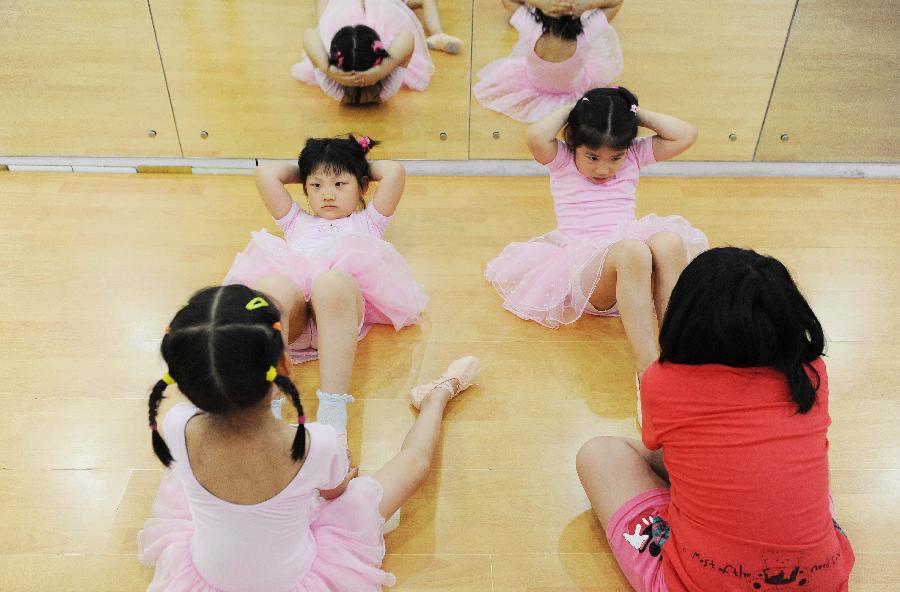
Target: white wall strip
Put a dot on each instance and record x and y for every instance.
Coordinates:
(465, 168)
(104, 169)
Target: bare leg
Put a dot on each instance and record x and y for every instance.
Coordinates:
(613, 470)
(432, 20)
(291, 303)
(403, 474)
(626, 281)
(669, 260)
(338, 308)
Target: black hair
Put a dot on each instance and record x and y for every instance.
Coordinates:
(736, 307)
(218, 349)
(603, 117)
(334, 156)
(564, 27)
(356, 49)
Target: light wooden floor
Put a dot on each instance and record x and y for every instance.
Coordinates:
(94, 266)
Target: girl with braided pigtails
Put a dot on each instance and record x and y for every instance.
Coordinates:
(248, 502)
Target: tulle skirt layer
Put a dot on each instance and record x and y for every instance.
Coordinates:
(347, 532)
(392, 296)
(550, 278)
(505, 86)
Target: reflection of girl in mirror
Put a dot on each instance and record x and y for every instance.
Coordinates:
(363, 51)
(333, 275)
(600, 260)
(565, 48)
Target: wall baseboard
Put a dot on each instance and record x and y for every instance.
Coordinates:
(451, 168)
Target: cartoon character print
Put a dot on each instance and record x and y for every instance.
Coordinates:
(781, 571)
(650, 533)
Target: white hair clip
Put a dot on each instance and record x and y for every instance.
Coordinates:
(635, 109)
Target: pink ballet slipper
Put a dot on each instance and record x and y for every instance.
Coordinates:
(457, 378)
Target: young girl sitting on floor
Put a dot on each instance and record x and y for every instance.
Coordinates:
(333, 275)
(363, 51)
(557, 60)
(600, 260)
(737, 405)
(240, 506)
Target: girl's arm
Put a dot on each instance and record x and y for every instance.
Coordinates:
(391, 177)
(512, 6)
(401, 51)
(541, 136)
(270, 181)
(318, 55)
(673, 136)
(609, 7)
(552, 8)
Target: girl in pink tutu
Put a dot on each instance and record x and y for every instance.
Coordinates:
(333, 275)
(363, 51)
(600, 260)
(250, 503)
(564, 50)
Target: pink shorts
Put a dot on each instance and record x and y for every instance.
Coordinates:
(636, 535)
(612, 311)
(305, 347)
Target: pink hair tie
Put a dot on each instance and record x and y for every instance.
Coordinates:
(340, 61)
(377, 45)
(301, 419)
(153, 427)
(635, 109)
(364, 142)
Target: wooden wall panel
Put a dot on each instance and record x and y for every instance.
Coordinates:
(711, 62)
(229, 70)
(82, 79)
(836, 97)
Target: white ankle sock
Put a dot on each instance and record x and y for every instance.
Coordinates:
(333, 411)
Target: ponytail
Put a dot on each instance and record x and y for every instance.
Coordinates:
(298, 448)
(159, 445)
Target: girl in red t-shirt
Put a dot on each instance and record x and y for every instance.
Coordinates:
(738, 403)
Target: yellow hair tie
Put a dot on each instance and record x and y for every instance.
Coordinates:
(167, 378)
(258, 302)
(271, 374)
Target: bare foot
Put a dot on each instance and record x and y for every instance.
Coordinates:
(446, 43)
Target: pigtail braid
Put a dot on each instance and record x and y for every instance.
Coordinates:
(298, 448)
(159, 445)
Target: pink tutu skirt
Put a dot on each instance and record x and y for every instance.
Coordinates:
(388, 18)
(392, 296)
(550, 278)
(527, 88)
(347, 531)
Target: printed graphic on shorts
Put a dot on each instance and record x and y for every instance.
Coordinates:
(648, 534)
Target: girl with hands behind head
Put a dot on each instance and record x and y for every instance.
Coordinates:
(600, 260)
(560, 55)
(364, 51)
(332, 275)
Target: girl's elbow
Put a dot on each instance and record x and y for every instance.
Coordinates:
(692, 135)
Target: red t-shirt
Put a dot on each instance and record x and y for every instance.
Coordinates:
(750, 508)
